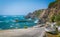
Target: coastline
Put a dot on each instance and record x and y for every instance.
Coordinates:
(33, 31)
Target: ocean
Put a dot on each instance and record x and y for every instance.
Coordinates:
(16, 22)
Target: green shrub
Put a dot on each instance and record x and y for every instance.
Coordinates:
(25, 27)
(52, 18)
(58, 35)
(58, 23)
(51, 4)
(57, 18)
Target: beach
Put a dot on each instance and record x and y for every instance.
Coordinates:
(29, 32)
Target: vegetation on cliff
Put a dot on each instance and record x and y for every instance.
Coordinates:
(34, 14)
(37, 12)
(51, 4)
(56, 14)
(50, 14)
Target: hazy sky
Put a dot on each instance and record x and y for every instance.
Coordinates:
(22, 7)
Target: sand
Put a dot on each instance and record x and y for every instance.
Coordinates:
(30, 32)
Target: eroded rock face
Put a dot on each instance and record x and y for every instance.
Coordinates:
(50, 11)
(34, 14)
(46, 14)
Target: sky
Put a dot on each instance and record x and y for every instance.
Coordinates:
(22, 7)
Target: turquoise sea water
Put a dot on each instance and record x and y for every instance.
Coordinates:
(15, 22)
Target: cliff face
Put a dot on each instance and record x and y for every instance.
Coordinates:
(34, 14)
(53, 9)
(47, 14)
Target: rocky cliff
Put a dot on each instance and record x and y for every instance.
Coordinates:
(48, 14)
(34, 14)
(55, 9)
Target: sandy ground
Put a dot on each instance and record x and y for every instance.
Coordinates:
(30, 32)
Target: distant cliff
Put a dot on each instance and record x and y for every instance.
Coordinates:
(34, 14)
